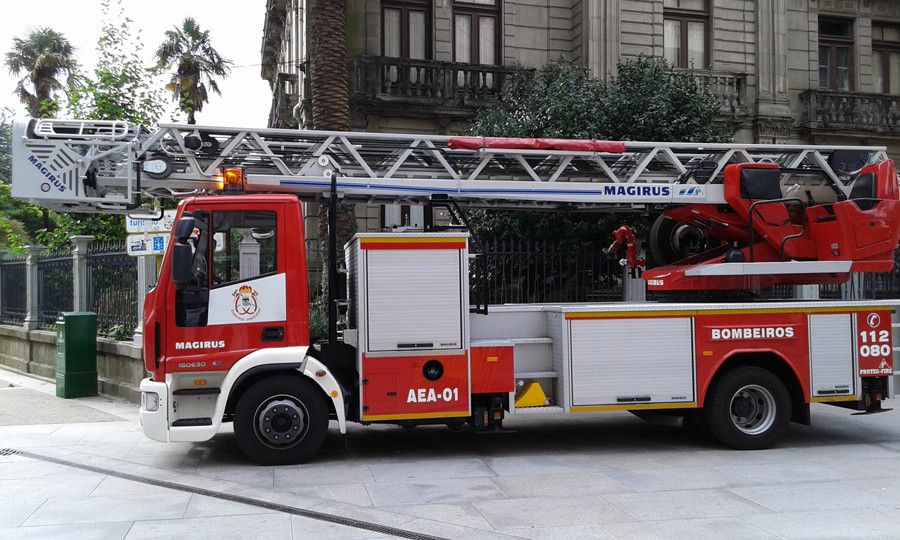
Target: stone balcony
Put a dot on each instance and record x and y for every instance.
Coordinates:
(850, 112)
(428, 88)
(730, 89)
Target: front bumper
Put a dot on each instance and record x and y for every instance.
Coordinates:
(155, 423)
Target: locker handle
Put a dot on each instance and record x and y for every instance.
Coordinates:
(833, 391)
(632, 399)
(415, 345)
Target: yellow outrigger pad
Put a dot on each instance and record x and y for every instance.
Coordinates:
(531, 395)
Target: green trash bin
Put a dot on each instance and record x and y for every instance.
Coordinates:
(76, 354)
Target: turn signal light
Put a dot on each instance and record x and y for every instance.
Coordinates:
(233, 179)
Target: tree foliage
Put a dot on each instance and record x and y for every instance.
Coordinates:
(188, 50)
(43, 60)
(646, 102)
(121, 87)
(18, 220)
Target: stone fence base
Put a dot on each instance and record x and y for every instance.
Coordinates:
(120, 366)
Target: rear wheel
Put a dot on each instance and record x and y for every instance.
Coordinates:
(281, 420)
(747, 408)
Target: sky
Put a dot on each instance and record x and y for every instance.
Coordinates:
(235, 31)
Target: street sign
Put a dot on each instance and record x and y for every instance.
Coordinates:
(163, 225)
(147, 244)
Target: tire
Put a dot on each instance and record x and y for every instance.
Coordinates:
(747, 408)
(281, 420)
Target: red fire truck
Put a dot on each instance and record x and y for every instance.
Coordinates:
(226, 328)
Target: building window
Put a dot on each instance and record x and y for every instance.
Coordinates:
(406, 29)
(835, 58)
(886, 58)
(686, 33)
(476, 31)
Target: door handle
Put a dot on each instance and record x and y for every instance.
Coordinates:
(273, 333)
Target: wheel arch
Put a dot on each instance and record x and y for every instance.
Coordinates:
(250, 377)
(776, 364)
(258, 373)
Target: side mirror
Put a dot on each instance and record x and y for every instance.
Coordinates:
(182, 257)
(184, 228)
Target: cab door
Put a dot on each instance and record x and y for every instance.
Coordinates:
(236, 298)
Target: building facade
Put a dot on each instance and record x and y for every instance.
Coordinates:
(784, 71)
(816, 71)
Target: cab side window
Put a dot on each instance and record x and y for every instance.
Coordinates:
(245, 246)
(229, 246)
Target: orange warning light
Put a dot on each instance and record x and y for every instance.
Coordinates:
(232, 179)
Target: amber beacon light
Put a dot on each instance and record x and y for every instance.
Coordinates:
(233, 180)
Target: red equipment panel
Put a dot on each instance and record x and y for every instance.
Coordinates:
(874, 343)
(492, 370)
(396, 388)
(719, 336)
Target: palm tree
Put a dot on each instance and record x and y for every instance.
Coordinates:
(328, 65)
(329, 86)
(41, 60)
(188, 50)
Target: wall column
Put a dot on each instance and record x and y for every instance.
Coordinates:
(601, 37)
(774, 118)
(80, 284)
(248, 255)
(32, 254)
(146, 280)
(806, 292)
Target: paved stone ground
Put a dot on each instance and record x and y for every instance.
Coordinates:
(599, 476)
(23, 406)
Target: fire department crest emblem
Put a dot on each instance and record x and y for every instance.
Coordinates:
(246, 303)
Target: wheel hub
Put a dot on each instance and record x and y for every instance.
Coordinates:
(281, 422)
(743, 406)
(753, 409)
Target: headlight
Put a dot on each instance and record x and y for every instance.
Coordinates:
(149, 401)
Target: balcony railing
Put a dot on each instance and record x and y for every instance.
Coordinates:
(851, 111)
(730, 89)
(425, 82)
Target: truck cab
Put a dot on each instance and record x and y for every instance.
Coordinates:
(231, 308)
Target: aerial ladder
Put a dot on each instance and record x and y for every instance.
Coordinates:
(732, 216)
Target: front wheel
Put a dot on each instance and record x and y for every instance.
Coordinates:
(748, 408)
(281, 420)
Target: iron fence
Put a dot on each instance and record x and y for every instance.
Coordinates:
(831, 291)
(884, 285)
(112, 288)
(13, 299)
(526, 271)
(54, 272)
(776, 292)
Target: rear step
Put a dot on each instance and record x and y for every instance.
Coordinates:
(192, 422)
(196, 392)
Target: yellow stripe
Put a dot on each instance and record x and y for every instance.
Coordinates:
(827, 399)
(635, 407)
(380, 417)
(689, 312)
(394, 240)
(615, 314)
